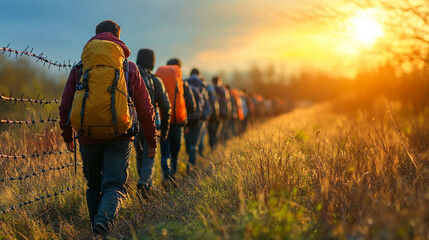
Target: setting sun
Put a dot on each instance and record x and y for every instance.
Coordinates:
(365, 28)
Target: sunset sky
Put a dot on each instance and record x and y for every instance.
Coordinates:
(212, 35)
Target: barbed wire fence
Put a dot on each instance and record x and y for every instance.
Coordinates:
(39, 57)
(6, 157)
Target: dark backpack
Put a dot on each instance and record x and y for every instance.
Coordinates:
(196, 116)
(147, 78)
(214, 103)
(223, 102)
(149, 84)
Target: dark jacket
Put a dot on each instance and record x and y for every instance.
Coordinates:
(140, 95)
(206, 108)
(189, 98)
(214, 103)
(224, 102)
(234, 106)
(159, 98)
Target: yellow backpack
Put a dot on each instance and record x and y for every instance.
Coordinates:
(101, 107)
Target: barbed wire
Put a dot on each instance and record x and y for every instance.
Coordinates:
(42, 171)
(23, 100)
(34, 154)
(29, 123)
(39, 57)
(40, 198)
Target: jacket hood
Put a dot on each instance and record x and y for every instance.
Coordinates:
(110, 37)
(146, 59)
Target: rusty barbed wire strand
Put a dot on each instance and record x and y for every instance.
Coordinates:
(23, 100)
(42, 171)
(39, 57)
(68, 189)
(34, 154)
(29, 123)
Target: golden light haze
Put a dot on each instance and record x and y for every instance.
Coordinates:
(338, 46)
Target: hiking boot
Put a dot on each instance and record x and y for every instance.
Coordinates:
(173, 181)
(145, 192)
(165, 184)
(190, 170)
(100, 229)
(169, 183)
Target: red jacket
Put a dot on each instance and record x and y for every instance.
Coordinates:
(141, 100)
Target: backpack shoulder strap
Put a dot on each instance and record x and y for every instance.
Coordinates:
(154, 78)
(79, 66)
(129, 83)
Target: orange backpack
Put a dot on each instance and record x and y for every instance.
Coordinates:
(171, 76)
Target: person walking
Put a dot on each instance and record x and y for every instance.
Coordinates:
(196, 119)
(201, 144)
(161, 104)
(181, 100)
(98, 103)
(220, 127)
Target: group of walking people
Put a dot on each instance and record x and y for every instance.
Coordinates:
(110, 104)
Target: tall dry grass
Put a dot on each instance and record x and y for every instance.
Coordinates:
(43, 219)
(364, 174)
(311, 174)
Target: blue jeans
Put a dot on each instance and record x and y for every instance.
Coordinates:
(105, 169)
(145, 167)
(170, 150)
(201, 146)
(192, 138)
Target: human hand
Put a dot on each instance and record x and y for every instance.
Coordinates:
(151, 152)
(70, 146)
(164, 135)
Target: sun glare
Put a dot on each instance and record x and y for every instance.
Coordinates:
(365, 28)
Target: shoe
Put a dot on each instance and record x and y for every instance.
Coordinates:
(169, 183)
(190, 170)
(165, 184)
(145, 192)
(172, 181)
(100, 229)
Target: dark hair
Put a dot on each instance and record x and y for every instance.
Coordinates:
(216, 80)
(146, 58)
(174, 61)
(108, 26)
(195, 71)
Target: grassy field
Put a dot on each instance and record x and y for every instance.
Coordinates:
(313, 173)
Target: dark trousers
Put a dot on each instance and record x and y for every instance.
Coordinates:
(105, 169)
(170, 151)
(192, 138)
(145, 164)
(215, 130)
(201, 144)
